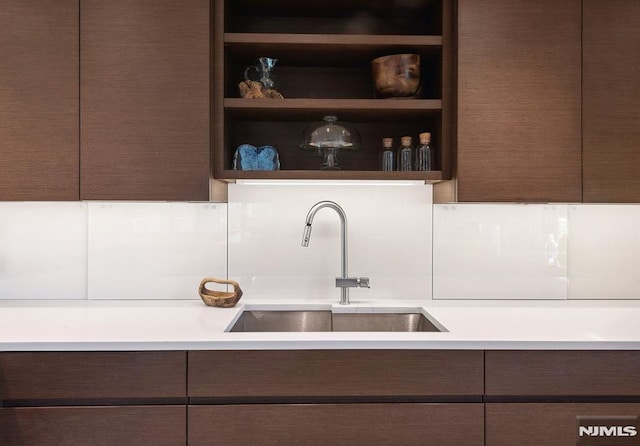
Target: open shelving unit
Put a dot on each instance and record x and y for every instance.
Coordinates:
(324, 50)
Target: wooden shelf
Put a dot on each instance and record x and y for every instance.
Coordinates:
(277, 40)
(347, 109)
(316, 48)
(427, 177)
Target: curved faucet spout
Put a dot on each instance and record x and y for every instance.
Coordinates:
(306, 236)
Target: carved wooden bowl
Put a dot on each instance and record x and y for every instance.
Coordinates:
(224, 299)
(396, 76)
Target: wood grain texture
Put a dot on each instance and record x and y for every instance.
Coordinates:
(557, 373)
(145, 99)
(611, 101)
(335, 373)
(39, 153)
(445, 157)
(95, 426)
(220, 70)
(337, 425)
(519, 100)
(92, 375)
(547, 424)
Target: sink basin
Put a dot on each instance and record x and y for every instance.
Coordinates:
(382, 322)
(283, 321)
(305, 321)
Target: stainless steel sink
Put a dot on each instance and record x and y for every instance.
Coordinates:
(283, 321)
(382, 322)
(306, 321)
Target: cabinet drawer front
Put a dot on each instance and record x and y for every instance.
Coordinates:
(335, 373)
(93, 375)
(558, 373)
(554, 424)
(342, 424)
(95, 426)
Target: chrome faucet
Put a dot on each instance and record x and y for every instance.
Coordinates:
(344, 282)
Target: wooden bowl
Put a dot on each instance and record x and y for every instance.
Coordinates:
(396, 76)
(224, 299)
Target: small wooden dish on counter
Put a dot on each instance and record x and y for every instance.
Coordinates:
(224, 299)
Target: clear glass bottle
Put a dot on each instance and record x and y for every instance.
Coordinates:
(424, 153)
(387, 156)
(405, 154)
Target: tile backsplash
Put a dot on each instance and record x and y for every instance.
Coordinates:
(409, 248)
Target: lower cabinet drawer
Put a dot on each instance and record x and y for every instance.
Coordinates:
(39, 376)
(551, 373)
(559, 424)
(394, 424)
(95, 426)
(455, 374)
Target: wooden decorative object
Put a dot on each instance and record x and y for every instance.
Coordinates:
(397, 75)
(223, 299)
(255, 90)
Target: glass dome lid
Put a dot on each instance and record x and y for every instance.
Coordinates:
(330, 134)
(327, 138)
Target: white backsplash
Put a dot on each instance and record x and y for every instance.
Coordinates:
(110, 250)
(389, 230)
(128, 250)
(604, 243)
(500, 251)
(155, 250)
(43, 250)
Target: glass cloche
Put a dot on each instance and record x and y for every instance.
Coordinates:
(327, 138)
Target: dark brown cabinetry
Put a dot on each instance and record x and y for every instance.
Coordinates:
(324, 50)
(39, 156)
(611, 100)
(313, 397)
(97, 398)
(86, 376)
(553, 424)
(104, 100)
(562, 373)
(144, 88)
(387, 424)
(339, 373)
(519, 100)
(338, 397)
(541, 397)
(95, 426)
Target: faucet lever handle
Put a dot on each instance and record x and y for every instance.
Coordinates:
(352, 282)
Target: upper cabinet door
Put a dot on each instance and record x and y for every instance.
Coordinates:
(144, 99)
(611, 101)
(39, 100)
(519, 78)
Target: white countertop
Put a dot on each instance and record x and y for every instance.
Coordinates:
(190, 325)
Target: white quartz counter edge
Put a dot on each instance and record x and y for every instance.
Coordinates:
(190, 325)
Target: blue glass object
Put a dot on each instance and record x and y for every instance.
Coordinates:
(248, 157)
